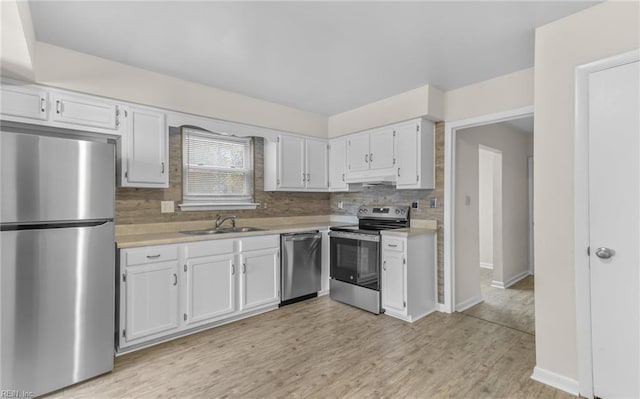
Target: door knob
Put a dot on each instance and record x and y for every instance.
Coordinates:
(605, 253)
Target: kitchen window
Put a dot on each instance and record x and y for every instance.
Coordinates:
(217, 171)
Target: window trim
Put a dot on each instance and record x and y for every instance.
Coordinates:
(203, 202)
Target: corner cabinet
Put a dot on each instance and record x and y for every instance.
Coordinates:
(144, 149)
(338, 164)
(408, 279)
(295, 163)
(167, 291)
(415, 155)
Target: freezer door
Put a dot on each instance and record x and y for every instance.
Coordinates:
(53, 179)
(57, 308)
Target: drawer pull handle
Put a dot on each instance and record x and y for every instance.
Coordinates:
(153, 256)
(392, 245)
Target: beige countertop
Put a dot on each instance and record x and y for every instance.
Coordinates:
(151, 238)
(140, 235)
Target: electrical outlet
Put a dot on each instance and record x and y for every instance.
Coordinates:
(340, 205)
(167, 207)
(415, 205)
(433, 203)
(264, 205)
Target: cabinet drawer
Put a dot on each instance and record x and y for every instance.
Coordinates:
(208, 248)
(253, 243)
(393, 244)
(141, 256)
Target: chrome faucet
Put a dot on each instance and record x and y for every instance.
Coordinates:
(220, 220)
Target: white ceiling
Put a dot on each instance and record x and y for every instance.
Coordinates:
(318, 56)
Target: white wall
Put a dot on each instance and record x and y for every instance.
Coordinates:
(506, 92)
(595, 33)
(515, 147)
(67, 69)
(467, 273)
(485, 205)
(425, 101)
(18, 40)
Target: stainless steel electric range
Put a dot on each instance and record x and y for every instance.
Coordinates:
(355, 255)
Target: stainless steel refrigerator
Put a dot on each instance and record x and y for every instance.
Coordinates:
(58, 260)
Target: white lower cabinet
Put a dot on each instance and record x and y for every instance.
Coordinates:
(210, 289)
(260, 278)
(151, 306)
(171, 290)
(409, 280)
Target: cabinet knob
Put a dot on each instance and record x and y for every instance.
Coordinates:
(162, 168)
(366, 158)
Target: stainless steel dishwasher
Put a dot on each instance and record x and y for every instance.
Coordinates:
(301, 266)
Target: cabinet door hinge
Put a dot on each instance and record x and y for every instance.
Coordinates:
(278, 139)
(328, 146)
(417, 178)
(126, 174)
(394, 133)
(126, 113)
(404, 261)
(588, 251)
(394, 161)
(417, 128)
(278, 181)
(185, 267)
(349, 166)
(124, 277)
(349, 143)
(404, 304)
(185, 317)
(124, 333)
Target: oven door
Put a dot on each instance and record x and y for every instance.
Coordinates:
(355, 258)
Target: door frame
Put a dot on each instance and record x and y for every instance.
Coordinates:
(581, 213)
(450, 131)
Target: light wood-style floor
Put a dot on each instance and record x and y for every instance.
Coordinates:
(324, 349)
(512, 307)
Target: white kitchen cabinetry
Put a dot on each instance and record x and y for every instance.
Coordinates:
(370, 156)
(24, 102)
(260, 278)
(170, 290)
(408, 277)
(144, 149)
(209, 271)
(338, 164)
(149, 294)
(294, 163)
(78, 110)
(415, 155)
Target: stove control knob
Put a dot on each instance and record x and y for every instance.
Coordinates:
(404, 211)
(397, 211)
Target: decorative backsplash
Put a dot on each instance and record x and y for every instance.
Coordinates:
(142, 205)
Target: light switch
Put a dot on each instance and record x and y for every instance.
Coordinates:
(167, 207)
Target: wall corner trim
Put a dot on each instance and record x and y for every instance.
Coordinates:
(555, 380)
(462, 306)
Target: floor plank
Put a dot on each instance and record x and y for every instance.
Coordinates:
(512, 307)
(322, 348)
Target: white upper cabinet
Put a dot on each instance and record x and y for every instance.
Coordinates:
(357, 153)
(381, 150)
(23, 102)
(338, 164)
(317, 171)
(370, 156)
(291, 166)
(415, 155)
(144, 149)
(84, 111)
(295, 163)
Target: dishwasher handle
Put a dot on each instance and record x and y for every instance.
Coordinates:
(301, 236)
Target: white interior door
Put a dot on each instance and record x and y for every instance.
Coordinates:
(614, 217)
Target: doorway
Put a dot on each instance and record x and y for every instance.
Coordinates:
(492, 229)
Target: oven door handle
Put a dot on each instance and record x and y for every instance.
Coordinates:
(355, 236)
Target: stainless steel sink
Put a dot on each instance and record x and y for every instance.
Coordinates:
(221, 231)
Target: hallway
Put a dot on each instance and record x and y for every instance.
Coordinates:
(512, 307)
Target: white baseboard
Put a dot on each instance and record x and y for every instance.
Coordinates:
(555, 380)
(516, 278)
(462, 306)
(497, 284)
(323, 292)
(440, 307)
(485, 265)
